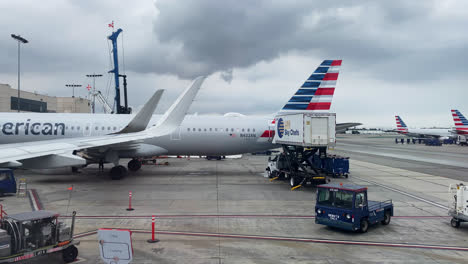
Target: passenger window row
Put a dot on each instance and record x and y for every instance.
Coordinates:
(221, 129)
(87, 128)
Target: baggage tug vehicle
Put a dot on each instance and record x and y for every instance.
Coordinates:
(28, 235)
(346, 206)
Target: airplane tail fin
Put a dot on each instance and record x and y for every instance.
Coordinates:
(401, 126)
(176, 113)
(316, 94)
(461, 123)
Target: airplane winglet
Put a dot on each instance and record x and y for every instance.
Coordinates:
(176, 113)
(142, 118)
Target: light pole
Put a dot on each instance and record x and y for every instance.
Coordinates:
(73, 95)
(94, 75)
(24, 41)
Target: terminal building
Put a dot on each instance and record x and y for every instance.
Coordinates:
(34, 102)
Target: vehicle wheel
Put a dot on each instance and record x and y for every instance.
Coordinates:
(69, 254)
(282, 176)
(218, 158)
(455, 223)
(364, 226)
(134, 165)
(387, 218)
(269, 173)
(292, 182)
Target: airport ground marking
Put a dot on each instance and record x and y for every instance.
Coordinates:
(234, 216)
(404, 193)
(294, 239)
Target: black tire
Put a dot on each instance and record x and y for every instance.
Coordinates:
(134, 165)
(455, 223)
(295, 181)
(387, 218)
(364, 226)
(282, 175)
(269, 173)
(292, 181)
(218, 158)
(118, 172)
(69, 254)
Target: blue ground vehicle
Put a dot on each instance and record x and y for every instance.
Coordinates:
(346, 206)
(7, 181)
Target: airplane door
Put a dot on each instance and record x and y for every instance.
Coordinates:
(176, 134)
(271, 130)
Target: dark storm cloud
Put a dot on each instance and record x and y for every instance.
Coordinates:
(401, 37)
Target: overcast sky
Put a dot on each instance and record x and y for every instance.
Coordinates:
(399, 57)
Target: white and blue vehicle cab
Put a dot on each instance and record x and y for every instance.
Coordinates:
(346, 206)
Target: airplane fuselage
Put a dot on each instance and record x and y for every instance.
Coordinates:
(427, 132)
(197, 135)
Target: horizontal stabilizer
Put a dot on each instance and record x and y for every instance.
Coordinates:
(142, 118)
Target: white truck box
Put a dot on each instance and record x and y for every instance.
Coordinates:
(306, 129)
(462, 140)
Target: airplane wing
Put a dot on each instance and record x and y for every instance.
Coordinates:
(341, 127)
(59, 152)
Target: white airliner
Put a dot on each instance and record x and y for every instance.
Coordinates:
(421, 132)
(196, 135)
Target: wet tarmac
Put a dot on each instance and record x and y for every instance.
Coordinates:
(228, 212)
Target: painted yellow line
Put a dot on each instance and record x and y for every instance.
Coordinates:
(295, 187)
(274, 178)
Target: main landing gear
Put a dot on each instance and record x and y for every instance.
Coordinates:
(134, 165)
(119, 171)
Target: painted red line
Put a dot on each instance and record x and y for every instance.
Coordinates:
(308, 240)
(192, 216)
(293, 239)
(36, 199)
(230, 216)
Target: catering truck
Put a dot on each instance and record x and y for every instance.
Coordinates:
(301, 135)
(459, 208)
(306, 130)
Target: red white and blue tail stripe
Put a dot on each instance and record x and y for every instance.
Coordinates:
(461, 123)
(316, 94)
(401, 126)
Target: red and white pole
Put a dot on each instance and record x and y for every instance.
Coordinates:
(130, 201)
(153, 239)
